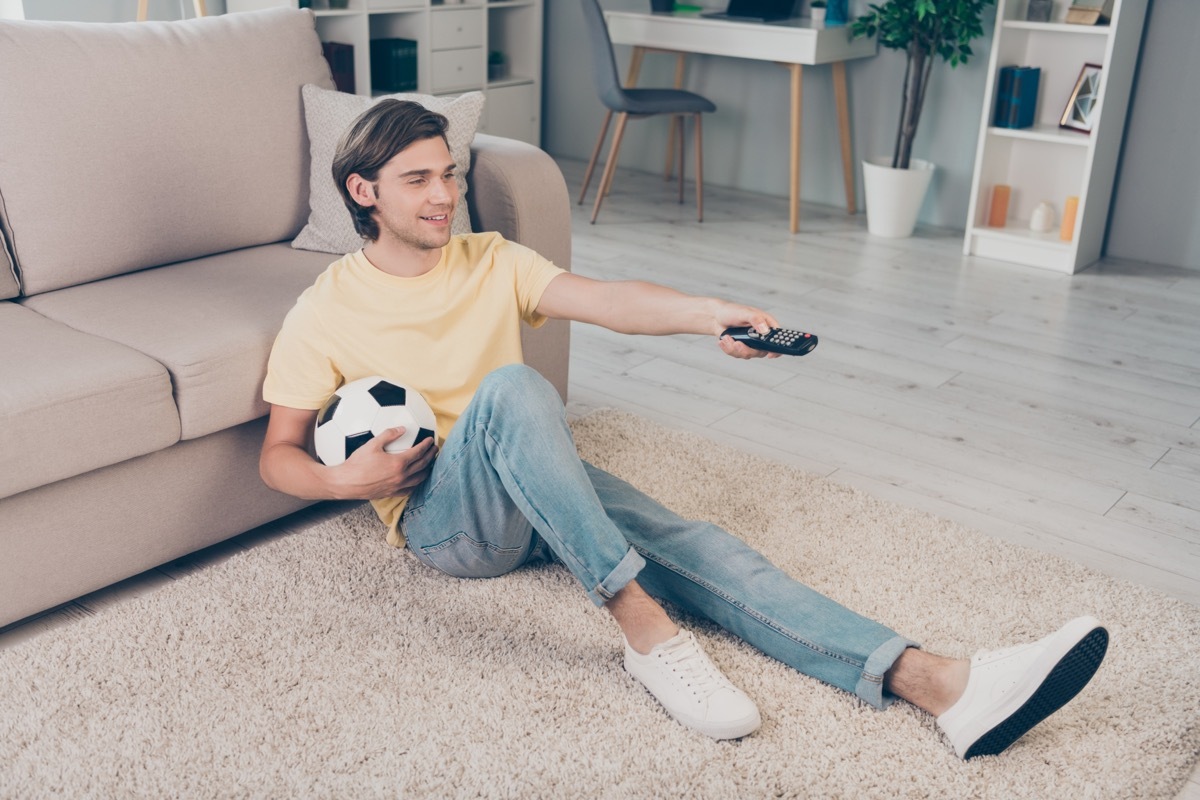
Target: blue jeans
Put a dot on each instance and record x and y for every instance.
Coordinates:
(509, 484)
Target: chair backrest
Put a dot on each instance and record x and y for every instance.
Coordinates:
(604, 66)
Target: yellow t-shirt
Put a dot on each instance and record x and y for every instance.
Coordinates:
(439, 333)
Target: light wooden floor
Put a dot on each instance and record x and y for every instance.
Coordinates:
(1059, 412)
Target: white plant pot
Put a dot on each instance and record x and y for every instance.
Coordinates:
(894, 196)
(818, 16)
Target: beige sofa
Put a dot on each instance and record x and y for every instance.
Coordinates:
(152, 176)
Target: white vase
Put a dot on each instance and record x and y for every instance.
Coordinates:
(1042, 220)
(894, 196)
(818, 16)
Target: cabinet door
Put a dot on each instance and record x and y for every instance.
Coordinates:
(514, 112)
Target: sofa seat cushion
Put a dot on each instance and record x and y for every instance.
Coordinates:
(71, 402)
(211, 322)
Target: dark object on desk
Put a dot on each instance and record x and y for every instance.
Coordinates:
(837, 13)
(1016, 97)
(757, 10)
(393, 65)
(1039, 10)
(341, 64)
(636, 103)
(662, 6)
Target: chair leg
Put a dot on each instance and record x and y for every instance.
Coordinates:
(699, 173)
(682, 139)
(611, 166)
(587, 178)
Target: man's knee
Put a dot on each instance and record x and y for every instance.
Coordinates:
(520, 385)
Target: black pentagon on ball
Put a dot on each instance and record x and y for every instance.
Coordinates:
(326, 412)
(388, 394)
(422, 435)
(357, 440)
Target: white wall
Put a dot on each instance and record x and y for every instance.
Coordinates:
(1155, 214)
(1156, 208)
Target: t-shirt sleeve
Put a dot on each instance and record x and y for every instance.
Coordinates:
(533, 274)
(300, 374)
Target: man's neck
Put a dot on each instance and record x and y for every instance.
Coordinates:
(401, 260)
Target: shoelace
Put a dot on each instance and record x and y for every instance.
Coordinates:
(699, 674)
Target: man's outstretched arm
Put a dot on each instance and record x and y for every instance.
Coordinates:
(370, 473)
(641, 307)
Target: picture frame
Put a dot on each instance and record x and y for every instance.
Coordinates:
(1084, 102)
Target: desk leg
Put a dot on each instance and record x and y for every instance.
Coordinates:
(843, 112)
(797, 72)
(680, 63)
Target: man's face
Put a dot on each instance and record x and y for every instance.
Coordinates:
(416, 194)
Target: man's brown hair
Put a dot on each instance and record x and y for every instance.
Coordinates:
(379, 133)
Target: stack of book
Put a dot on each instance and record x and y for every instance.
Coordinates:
(1016, 97)
(393, 65)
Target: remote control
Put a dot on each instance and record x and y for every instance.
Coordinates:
(779, 340)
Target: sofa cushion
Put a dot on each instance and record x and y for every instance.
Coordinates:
(211, 322)
(71, 402)
(145, 143)
(328, 115)
(9, 285)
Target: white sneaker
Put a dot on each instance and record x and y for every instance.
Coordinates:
(1011, 690)
(692, 689)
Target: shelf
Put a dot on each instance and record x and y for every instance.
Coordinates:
(1043, 133)
(515, 80)
(1046, 163)
(1056, 27)
(1018, 231)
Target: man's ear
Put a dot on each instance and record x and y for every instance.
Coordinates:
(361, 190)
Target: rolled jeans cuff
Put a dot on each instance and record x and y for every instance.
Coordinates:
(870, 684)
(625, 571)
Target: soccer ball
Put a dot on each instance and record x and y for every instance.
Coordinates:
(361, 410)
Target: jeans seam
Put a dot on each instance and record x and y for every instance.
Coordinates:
(751, 613)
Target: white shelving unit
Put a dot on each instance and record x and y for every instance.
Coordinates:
(1046, 162)
(453, 43)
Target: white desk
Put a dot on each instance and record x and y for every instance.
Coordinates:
(792, 43)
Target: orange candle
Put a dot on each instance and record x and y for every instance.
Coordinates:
(1067, 231)
(998, 213)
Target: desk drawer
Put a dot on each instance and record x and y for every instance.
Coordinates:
(457, 69)
(451, 30)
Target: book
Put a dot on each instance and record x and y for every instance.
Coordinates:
(341, 64)
(1003, 96)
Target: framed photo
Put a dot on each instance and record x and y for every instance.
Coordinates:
(1080, 113)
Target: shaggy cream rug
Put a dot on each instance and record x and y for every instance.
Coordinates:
(326, 664)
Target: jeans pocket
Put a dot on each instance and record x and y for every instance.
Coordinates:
(464, 557)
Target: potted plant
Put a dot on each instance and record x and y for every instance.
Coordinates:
(817, 9)
(925, 30)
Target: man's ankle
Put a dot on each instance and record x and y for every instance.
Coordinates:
(642, 619)
(931, 682)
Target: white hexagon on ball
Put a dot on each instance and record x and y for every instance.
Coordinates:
(361, 410)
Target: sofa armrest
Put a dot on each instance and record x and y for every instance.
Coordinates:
(516, 189)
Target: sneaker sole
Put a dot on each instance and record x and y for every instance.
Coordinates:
(1065, 680)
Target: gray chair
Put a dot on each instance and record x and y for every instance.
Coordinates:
(635, 103)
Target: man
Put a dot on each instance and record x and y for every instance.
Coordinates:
(442, 313)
